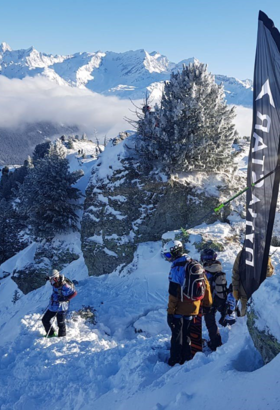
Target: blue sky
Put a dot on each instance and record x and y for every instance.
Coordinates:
(220, 33)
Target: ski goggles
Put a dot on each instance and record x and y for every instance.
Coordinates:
(209, 257)
(53, 280)
(167, 255)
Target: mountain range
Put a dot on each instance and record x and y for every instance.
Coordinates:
(125, 75)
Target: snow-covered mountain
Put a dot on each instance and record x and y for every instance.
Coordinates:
(125, 75)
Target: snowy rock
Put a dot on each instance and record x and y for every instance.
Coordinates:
(124, 207)
(48, 256)
(263, 321)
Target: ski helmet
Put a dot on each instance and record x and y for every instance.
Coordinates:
(54, 274)
(173, 249)
(208, 255)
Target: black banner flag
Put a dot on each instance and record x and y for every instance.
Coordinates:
(263, 157)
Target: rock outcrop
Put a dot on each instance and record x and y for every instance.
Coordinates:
(262, 319)
(48, 256)
(125, 206)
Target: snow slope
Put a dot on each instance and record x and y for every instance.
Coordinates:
(120, 362)
(125, 75)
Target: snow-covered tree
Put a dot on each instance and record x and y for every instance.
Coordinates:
(192, 129)
(11, 226)
(47, 195)
(41, 150)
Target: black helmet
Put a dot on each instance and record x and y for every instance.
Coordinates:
(208, 255)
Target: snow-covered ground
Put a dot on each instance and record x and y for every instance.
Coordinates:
(119, 363)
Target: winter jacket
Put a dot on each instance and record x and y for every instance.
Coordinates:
(236, 283)
(184, 307)
(59, 301)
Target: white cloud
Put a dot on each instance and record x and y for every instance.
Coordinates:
(243, 120)
(38, 99)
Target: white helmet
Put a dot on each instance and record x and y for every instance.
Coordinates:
(173, 249)
(54, 274)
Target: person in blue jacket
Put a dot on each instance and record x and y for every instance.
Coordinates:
(63, 292)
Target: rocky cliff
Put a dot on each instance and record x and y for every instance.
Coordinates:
(124, 206)
(263, 320)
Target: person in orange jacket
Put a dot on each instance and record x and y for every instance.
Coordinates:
(181, 311)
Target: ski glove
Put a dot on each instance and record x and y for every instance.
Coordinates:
(62, 299)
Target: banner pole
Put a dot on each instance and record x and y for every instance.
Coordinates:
(221, 206)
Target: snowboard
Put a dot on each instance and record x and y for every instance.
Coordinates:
(196, 335)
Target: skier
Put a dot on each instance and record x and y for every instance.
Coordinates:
(218, 283)
(181, 311)
(63, 292)
(238, 290)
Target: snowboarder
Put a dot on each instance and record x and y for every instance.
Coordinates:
(181, 311)
(63, 292)
(218, 284)
(238, 290)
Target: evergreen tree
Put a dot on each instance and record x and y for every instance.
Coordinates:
(47, 196)
(11, 226)
(41, 150)
(16, 296)
(192, 129)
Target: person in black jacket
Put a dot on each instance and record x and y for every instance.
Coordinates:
(218, 283)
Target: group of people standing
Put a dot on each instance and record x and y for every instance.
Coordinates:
(217, 297)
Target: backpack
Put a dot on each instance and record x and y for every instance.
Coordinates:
(220, 288)
(68, 282)
(194, 285)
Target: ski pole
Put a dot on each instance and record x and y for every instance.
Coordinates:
(53, 319)
(44, 313)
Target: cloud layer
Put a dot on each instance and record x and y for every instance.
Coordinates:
(243, 120)
(38, 99)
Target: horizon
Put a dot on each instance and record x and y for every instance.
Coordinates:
(220, 35)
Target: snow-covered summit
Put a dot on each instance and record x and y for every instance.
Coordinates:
(125, 75)
(4, 47)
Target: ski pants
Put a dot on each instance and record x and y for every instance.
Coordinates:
(60, 317)
(210, 321)
(180, 350)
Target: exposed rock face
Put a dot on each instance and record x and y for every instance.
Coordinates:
(49, 256)
(262, 318)
(123, 207)
(265, 343)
